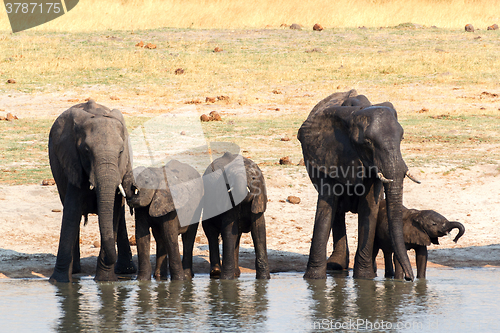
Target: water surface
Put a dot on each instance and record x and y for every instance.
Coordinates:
(449, 300)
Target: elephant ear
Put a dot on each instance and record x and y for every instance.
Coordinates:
(256, 187)
(63, 143)
(327, 146)
(162, 202)
(186, 190)
(335, 99)
(360, 100)
(412, 229)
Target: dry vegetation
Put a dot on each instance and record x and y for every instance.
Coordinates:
(443, 81)
(444, 84)
(94, 15)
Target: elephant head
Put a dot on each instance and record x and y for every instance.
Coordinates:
(423, 227)
(174, 187)
(89, 149)
(347, 140)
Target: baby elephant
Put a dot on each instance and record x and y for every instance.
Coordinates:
(168, 200)
(234, 203)
(420, 229)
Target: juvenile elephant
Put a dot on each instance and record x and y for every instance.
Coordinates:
(89, 155)
(352, 154)
(420, 229)
(235, 202)
(169, 201)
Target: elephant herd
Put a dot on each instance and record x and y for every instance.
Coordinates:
(351, 150)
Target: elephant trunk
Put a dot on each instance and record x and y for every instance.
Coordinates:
(394, 201)
(107, 181)
(460, 227)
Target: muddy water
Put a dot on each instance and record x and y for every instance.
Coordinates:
(464, 300)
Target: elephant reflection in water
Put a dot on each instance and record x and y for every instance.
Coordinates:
(240, 309)
(78, 310)
(362, 303)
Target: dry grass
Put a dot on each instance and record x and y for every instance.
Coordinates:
(93, 15)
(254, 63)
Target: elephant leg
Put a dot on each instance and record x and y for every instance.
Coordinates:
(188, 239)
(124, 263)
(389, 268)
(161, 268)
(374, 256)
(77, 268)
(212, 233)
(398, 269)
(367, 223)
(143, 239)
(259, 242)
(229, 237)
(237, 271)
(421, 259)
(170, 230)
(339, 260)
(316, 266)
(72, 214)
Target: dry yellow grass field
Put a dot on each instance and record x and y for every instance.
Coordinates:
(95, 15)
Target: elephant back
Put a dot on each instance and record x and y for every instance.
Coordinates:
(184, 183)
(230, 180)
(325, 137)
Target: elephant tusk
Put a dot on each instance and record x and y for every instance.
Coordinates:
(91, 187)
(383, 179)
(409, 175)
(122, 191)
(136, 191)
(248, 189)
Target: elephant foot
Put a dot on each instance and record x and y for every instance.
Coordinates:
(335, 266)
(105, 275)
(227, 276)
(337, 263)
(315, 273)
(188, 274)
(237, 272)
(215, 272)
(77, 268)
(144, 276)
(263, 275)
(60, 277)
(125, 266)
(158, 276)
(364, 274)
(178, 277)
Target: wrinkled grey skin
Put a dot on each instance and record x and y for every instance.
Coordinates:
(346, 141)
(246, 216)
(420, 229)
(149, 194)
(89, 155)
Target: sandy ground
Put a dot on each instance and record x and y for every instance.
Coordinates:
(30, 216)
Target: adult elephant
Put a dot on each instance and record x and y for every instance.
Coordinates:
(169, 201)
(421, 228)
(89, 155)
(235, 201)
(352, 154)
